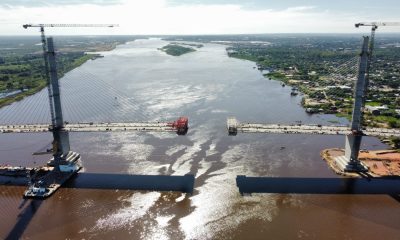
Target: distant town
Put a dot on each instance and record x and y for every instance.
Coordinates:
(319, 67)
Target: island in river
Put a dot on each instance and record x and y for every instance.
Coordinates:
(176, 50)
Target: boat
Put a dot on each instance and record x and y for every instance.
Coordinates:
(294, 91)
(46, 180)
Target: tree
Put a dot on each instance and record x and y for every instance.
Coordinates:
(9, 85)
(396, 142)
(394, 124)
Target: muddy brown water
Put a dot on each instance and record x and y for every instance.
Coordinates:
(207, 86)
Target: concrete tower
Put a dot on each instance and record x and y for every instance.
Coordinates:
(61, 138)
(349, 162)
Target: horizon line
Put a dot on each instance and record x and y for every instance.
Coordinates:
(200, 34)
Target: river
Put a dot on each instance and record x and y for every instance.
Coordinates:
(207, 86)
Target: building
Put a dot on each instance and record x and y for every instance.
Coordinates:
(376, 110)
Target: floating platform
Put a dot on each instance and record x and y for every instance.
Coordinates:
(49, 179)
(14, 171)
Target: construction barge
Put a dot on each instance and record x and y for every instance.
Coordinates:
(10, 171)
(43, 181)
(46, 180)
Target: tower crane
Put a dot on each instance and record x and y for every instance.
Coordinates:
(46, 61)
(65, 163)
(374, 26)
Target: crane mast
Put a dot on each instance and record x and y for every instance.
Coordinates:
(46, 57)
(65, 163)
(61, 147)
(374, 26)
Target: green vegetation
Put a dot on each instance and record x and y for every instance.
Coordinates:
(395, 142)
(29, 78)
(324, 68)
(276, 76)
(176, 50)
(21, 62)
(374, 104)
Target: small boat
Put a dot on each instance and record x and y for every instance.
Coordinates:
(294, 91)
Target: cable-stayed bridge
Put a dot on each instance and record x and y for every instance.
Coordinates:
(341, 73)
(234, 126)
(87, 105)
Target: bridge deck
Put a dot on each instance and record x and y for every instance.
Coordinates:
(234, 126)
(91, 127)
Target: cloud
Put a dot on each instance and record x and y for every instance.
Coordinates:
(159, 17)
(30, 3)
(300, 8)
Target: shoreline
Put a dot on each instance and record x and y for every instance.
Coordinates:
(380, 163)
(75, 64)
(277, 77)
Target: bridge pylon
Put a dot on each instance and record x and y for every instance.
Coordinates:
(65, 163)
(62, 160)
(350, 162)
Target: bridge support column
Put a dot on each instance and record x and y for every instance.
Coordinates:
(61, 137)
(349, 162)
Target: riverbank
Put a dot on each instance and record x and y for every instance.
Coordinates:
(42, 83)
(207, 86)
(380, 163)
(21, 61)
(326, 105)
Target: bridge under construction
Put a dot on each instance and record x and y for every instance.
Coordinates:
(44, 181)
(353, 134)
(234, 126)
(179, 126)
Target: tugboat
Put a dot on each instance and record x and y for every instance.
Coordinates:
(44, 181)
(36, 189)
(294, 92)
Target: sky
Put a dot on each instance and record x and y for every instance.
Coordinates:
(184, 17)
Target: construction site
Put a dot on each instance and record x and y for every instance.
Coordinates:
(45, 180)
(127, 166)
(380, 163)
(350, 161)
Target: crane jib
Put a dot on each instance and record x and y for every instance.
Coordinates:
(69, 25)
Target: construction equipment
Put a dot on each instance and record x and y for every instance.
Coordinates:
(69, 25)
(65, 162)
(374, 26)
(181, 125)
(45, 53)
